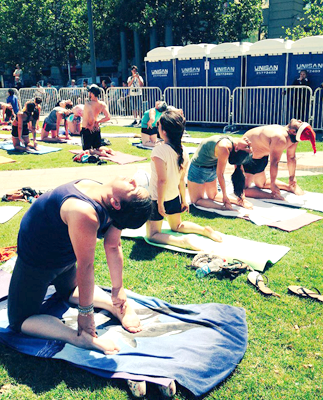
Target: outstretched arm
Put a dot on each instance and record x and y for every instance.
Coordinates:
(114, 256)
(161, 183)
(291, 164)
(276, 150)
(222, 153)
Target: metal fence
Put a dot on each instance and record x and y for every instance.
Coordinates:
(4, 94)
(201, 104)
(249, 106)
(48, 95)
(77, 95)
(318, 109)
(125, 101)
(271, 104)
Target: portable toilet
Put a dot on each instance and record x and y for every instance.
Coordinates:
(226, 64)
(307, 54)
(190, 65)
(160, 67)
(266, 63)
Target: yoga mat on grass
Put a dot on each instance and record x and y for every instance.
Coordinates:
(189, 150)
(197, 345)
(310, 200)
(256, 254)
(6, 160)
(273, 215)
(41, 149)
(119, 158)
(7, 212)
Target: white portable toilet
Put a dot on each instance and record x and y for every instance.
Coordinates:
(267, 63)
(307, 54)
(226, 64)
(160, 67)
(190, 65)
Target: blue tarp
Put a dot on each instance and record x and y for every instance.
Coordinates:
(197, 345)
(160, 74)
(225, 72)
(267, 70)
(190, 73)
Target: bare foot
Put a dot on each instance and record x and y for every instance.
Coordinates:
(86, 341)
(188, 242)
(129, 319)
(214, 235)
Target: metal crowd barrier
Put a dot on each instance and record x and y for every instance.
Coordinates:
(318, 109)
(48, 95)
(125, 101)
(265, 105)
(4, 94)
(77, 95)
(201, 104)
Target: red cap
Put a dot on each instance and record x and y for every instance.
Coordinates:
(306, 132)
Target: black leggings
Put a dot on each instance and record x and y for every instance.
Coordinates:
(28, 288)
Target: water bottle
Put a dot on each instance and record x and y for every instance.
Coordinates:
(213, 266)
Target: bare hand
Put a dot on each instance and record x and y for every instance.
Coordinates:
(184, 206)
(119, 299)
(161, 210)
(227, 204)
(86, 323)
(275, 193)
(245, 204)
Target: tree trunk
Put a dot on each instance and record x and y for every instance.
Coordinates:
(124, 63)
(137, 50)
(169, 33)
(153, 38)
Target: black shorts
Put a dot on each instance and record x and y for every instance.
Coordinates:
(255, 166)
(25, 131)
(28, 288)
(148, 131)
(171, 207)
(90, 139)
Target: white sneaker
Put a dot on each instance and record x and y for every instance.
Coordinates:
(137, 388)
(168, 391)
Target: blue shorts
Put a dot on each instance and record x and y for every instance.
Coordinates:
(201, 174)
(136, 102)
(49, 127)
(171, 207)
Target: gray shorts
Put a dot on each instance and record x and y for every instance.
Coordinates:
(28, 288)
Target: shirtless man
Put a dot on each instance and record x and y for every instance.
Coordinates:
(271, 141)
(59, 231)
(90, 133)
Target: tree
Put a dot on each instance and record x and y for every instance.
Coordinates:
(240, 20)
(311, 25)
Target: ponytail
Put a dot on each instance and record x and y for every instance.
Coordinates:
(238, 180)
(173, 123)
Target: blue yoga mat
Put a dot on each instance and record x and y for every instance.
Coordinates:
(41, 149)
(197, 345)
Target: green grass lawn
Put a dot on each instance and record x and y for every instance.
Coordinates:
(284, 358)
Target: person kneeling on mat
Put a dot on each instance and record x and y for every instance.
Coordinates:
(59, 231)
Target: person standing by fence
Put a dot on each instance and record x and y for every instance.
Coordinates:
(135, 82)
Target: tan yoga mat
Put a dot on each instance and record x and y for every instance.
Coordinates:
(5, 160)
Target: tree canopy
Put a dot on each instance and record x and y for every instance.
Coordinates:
(40, 33)
(311, 24)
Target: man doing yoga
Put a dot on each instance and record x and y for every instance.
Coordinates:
(271, 141)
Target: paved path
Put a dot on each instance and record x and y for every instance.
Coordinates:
(43, 179)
